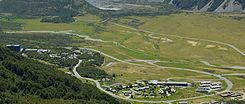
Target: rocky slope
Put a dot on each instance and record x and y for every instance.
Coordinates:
(195, 5)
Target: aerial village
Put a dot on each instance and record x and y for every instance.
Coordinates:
(51, 54)
(154, 88)
(141, 88)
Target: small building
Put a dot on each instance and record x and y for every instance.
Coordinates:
(235, 94)
(31, 50)
(203, 89)
(216, 84)
(16, 48)
(205, 82)
(176, 84)
(205, 85)
(216, 87)
(127, 93)
(142, 88)
(135, 85)
(105, 80)
(182, 102)
(141, 83)
(153, 82)
(54, 56)
(113, 90)
(117, 85)
(226, 94)
(43, 51)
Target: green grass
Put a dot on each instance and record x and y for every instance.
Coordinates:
(143, 47)
(180, 94)
(198, 25)
(178, 53)
(205, 99)
(238, 81)
(129, 73)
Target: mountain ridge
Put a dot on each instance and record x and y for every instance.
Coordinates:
(193, 5)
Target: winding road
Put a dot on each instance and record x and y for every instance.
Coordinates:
(227, 81)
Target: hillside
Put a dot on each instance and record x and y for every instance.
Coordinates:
(46, 7)
(105, 8)
(24, 80)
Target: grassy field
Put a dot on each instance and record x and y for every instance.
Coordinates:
(197, 25)
(205, 99)
(129, 73)
(192, 25)
(125, 43)
(238, 81)
(140, 45)
(171, 51)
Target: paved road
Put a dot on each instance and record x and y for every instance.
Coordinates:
(227, 81)
(235, 74)
(228, 67)
(182, 37)
(75, 73)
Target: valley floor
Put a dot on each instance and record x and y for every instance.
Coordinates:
(183, 47)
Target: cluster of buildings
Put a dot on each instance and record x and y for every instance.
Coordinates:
(146, 88)
(166, 91)
(169, 83)
(63, 55)
(37, 50)
(231, 95)
(208, 86)
(18, 48)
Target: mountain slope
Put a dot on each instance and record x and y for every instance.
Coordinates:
(70, 8)
(195, 5)
(46, 7)
(24, 80)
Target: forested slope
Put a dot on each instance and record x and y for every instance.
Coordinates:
(24, 80)
(46, 7)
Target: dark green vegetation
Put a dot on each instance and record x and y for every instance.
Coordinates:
(235, 102)
(7, 23)
(90, 65)
(92, 72)
(45, 7)
(59, 19)
(64, 9)
(22, 79)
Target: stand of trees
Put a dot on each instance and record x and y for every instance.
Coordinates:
(59, 19)
(92, 72)
(90, 65)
